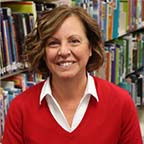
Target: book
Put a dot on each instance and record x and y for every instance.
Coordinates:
(141, 89)
(139, 14)
(1, 61)
(108, 64)
(117, 64)
(115, 33)
(7, 15)
(129, 61)
(134, 15)
(142, 13)
(97, 11)
(134, 92)
(142, 48)
(123, 15)
(104, 19)
(1, 114)
(121, 59)
(112, 49)
(20, 32)
(41, 6)
(3, 56)
(19, 81)
(135, 53)
(7, 86)
(22, 6)
(140, 41)
(6, 33)
(110, 16)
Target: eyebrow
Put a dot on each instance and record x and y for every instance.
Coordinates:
(71, 36)
(52, 37)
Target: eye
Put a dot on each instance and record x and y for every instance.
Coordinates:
(53, 43)
(74, 42)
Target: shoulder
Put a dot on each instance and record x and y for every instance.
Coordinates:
(24, 104)
(29, 96)
(108, 86)
(112, 92)
(115, 98)
(36, 89)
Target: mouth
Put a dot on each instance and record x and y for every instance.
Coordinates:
(65, 64)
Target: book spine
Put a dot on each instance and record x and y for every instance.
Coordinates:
(140, 90)
(116, 19)
(7, 46)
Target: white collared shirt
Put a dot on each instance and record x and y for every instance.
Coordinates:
(57, 112)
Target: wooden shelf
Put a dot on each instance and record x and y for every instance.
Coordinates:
(9, 0)
(12, 74)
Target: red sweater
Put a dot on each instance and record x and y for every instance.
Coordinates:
(112, 120)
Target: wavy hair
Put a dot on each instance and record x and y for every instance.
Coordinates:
(48, 24)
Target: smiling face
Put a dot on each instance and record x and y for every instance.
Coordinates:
(68, 51)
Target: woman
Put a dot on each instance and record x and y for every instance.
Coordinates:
(70, 106)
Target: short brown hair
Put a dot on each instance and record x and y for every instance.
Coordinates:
(48, 24)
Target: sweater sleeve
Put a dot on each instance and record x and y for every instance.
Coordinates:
(130, 128)
(13, 125)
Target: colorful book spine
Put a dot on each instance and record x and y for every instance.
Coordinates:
(142, 13)
(110, 10)
(139, 14)
(8, 15)
(116, 19)
(104, 19)
(22, 6)
(7, 41)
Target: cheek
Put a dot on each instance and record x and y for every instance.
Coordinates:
(50, 56)
(84, 53)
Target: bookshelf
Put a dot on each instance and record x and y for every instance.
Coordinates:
(9, 0)
(13, 73)
(122, 25)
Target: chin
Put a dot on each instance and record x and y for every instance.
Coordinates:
(67, 75)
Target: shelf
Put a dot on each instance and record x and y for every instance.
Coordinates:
(127, 33)
(12, 74)
(9, 0)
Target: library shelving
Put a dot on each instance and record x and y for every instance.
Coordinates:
(122, 25)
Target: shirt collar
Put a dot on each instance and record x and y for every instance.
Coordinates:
(90, 88)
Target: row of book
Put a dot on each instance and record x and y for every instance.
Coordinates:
(10, 88)
(115, 17)
(14, 27)
(122, 56)
(17, 19)
(124, 64)
(135, 85)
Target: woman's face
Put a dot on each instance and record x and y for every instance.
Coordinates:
(68, 50)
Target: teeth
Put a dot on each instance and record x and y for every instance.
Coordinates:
(66, 64)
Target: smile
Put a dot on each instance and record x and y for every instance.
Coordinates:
(65, 64)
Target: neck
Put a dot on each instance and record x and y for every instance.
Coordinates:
(69, 89)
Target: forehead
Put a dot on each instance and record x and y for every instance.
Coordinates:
(71, 24)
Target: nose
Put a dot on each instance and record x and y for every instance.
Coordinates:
(64, 50)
